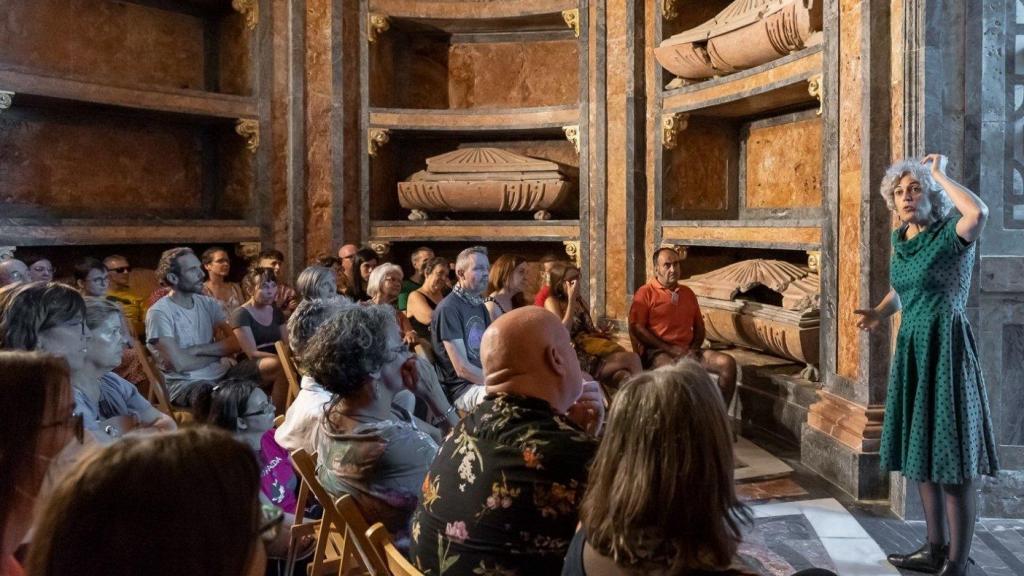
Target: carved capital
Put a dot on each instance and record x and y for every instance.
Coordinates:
(376, 25)
(572, 250)
(381, 248)
(572, 134)
(814, 261)
(671, 126)
(572, 20)
(250, 130)
(668, 9)
(250, 9)
(855, 425)
(6, 99)
(7, 252)
(376, 138)
(248, 250)
(815, 88)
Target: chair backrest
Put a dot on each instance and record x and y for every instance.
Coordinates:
(157, 385)
(397, 563)
(291, 372)
(341, 516)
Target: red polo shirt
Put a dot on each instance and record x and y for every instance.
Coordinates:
(670, 314)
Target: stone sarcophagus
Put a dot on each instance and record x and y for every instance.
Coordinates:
(745, 34)
(486, 180)
(766, 305)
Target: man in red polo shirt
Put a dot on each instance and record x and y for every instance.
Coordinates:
(665, 321)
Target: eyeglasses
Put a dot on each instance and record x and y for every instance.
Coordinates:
(120, 270)
(77, 423)
(271, 518)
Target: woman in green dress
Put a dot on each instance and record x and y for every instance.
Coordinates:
(937, 428)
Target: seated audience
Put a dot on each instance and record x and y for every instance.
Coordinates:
(363, 263)
(457, 328)
(47, 317)
(317, 282)
(217, 264)
(598, 354)
(302, 419)
(665, 321)
(367, 446)
(37, 419)
(502, 496)
(546, 262)
(40, 269)
(425, 299)
(258, 325)
(111, 406)
(91, 277)
(505, 285)
(187, 331)
(13, 271)
(185, 502)
(415, 280)
(383, 287)
(119, 272)
(285, 298)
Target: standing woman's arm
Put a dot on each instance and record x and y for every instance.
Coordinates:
(973, 210)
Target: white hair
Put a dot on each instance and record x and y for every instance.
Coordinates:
(465, 259)
(940, 202)
(377, 277)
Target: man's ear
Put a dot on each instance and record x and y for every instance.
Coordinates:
(240, 424)
(172, 278)
(554, 360)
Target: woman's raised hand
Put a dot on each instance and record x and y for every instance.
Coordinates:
(938, 166)
(869, 320)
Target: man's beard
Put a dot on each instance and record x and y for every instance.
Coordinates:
(185, 288)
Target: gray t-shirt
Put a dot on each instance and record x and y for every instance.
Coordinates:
(456, 319)
(189, 327)
(118, 397)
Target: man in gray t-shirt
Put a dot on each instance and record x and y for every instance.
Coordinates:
(182, 330)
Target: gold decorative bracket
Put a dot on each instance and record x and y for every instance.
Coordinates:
(250, 130)
(377, 24)
(572, 250)
(815, 88)
(572, 20)
(6, 99)
(814, 261)
(248, 250)
(671, 126)
(250, 9)
(376, 138)
(572, 134)
(668, 9)
(7, 252)
(381, 248)
(680, 249)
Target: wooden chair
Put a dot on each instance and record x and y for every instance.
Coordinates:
(398, 565)
(291, 372)
(341, 543)
(158, 394)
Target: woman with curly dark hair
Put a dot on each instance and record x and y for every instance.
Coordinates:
(366, 446)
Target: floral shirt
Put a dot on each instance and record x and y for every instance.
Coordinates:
(502, 496)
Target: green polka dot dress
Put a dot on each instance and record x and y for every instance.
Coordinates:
(937, 424)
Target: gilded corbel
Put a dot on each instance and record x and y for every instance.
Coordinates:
(572, 250)
(6, 99)
(814, 261)
(572, 134)
(668, 9)
(376, 138)
(815, 88)
(671, 126)
(572, 20)
(381, 248)
(681, 249)
(377, 24)
(248, 250)
(250, 9)
(250, 130)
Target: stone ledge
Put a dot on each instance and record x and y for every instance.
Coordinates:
(856, 473)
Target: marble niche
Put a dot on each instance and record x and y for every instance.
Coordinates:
(747, 33)
(489, 180)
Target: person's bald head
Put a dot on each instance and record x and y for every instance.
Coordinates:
(345, 254)
(13, 271)
(527, 351)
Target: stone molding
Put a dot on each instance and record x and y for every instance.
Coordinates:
(854, 425)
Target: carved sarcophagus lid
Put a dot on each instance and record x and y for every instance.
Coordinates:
(745, 34)
(486, 180)
(767, 305)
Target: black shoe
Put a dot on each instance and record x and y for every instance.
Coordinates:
(951, 569)
(928, 558)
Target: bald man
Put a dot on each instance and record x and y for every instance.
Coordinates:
(13, 271)
(506, 485)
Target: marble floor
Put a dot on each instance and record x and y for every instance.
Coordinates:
(800, 521)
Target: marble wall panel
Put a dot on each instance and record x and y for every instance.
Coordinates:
(235, 58)
(896, 88)
(420, 72)
(697, 172)
(104, 42)
(618, 92)
(783, 165)
(98, 166)
(350, 101)
(513, 74)
(651, 66)
(381, 83)
(318, 130)
(234, 193)
(280, 98)
(1011, 421)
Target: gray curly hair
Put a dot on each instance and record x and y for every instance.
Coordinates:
(308, 317)
(376, 279)
(938, 198)
(348, 348)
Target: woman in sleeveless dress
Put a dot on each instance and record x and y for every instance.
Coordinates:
(424, 299)
(937, 430)
(505, 285)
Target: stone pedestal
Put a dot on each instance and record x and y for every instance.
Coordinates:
(840, 442)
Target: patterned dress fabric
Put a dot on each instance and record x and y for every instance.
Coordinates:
(937, 421)
(502, 497)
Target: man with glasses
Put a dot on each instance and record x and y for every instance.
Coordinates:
(665, 321)
(13, 271)
(119, 272)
